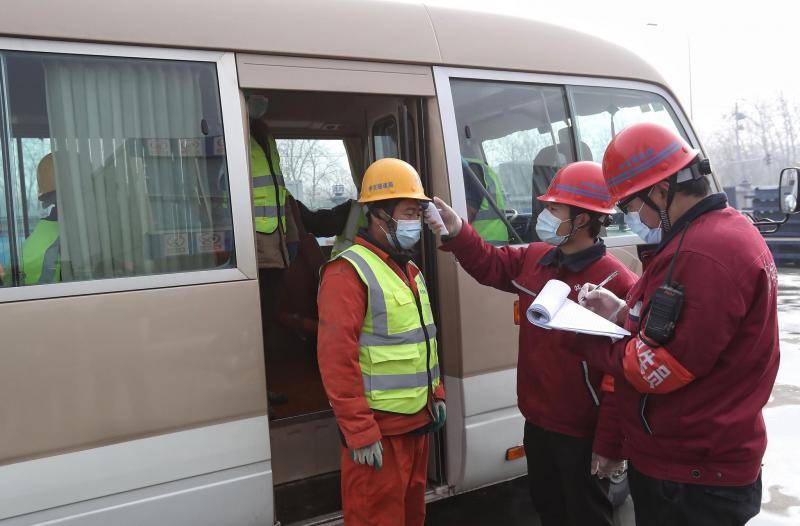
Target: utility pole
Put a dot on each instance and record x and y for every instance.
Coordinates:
(738, 116)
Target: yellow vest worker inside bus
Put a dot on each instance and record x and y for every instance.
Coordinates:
(280, 219)
(482, 184)
(281, 223)
(269, 191)
(41, 251)
(377, 354)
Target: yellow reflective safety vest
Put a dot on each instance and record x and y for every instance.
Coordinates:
(490, 227)
(269, 192)
(41, 254)
(399, 362)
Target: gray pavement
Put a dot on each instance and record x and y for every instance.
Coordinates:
(781, 472)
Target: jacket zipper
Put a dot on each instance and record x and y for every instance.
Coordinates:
(592, 392)
(523, 289)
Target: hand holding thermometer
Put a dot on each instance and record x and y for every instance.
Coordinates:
(433, 219)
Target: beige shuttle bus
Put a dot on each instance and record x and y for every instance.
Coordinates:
(136, 382)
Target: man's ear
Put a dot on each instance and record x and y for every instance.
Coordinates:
(660, 191)
(381, 215)
(581, 220)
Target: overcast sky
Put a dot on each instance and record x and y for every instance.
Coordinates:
(746, 52)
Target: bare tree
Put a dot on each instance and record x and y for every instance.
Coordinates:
(788, 126)
(754, 146)
(315, 166)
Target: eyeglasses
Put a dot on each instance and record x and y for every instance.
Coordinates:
(624, 203)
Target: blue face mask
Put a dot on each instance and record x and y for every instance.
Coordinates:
(651, 236)
(546, 227)
(407, 233)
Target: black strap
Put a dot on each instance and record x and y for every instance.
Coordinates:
(668, 281)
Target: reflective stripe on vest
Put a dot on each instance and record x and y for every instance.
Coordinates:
(393, 348)
(41, 254)
(265, 177)
(399, 381)
(490, 227)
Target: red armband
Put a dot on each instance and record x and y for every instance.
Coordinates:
(652, 369)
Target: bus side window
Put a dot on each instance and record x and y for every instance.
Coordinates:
(601, 113)
(5, 239)
(513, 138)
(120, 168)
(385, 138)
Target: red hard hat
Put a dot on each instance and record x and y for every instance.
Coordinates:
(641, 156)
(580, 184)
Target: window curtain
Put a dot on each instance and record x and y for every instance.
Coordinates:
(131, 170)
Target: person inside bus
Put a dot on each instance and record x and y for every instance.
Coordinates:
(279, 218)
(570, 430)
(41, 251)
(377, 354)
(481, 182)
(281, 225)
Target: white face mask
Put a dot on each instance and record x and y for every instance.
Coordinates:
(407, 233)
(651, 236)
(546, 227)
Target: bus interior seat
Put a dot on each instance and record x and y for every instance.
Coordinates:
(550, 159)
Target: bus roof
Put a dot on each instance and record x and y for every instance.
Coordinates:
(349, 29)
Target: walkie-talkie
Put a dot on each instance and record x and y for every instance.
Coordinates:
(666, 305)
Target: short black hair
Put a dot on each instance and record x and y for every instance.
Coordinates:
(387, 205)
(595, 225)
(596, 220)
(694, 187)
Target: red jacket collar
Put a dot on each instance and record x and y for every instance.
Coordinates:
(386, 258)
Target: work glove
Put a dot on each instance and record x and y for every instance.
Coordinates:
(371, 455)
(608, 468)
(449, 217)
(601, 301)
(439, 415)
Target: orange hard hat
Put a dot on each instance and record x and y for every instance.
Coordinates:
(580, 184)
(391, 179)
(642, 155)
(45, 175)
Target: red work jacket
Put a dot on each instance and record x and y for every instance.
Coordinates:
(705, 388)
(555, 390)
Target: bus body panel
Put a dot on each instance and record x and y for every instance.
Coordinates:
(102, 369)
(157, 472)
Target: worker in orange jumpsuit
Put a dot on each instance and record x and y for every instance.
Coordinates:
(377, 354)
